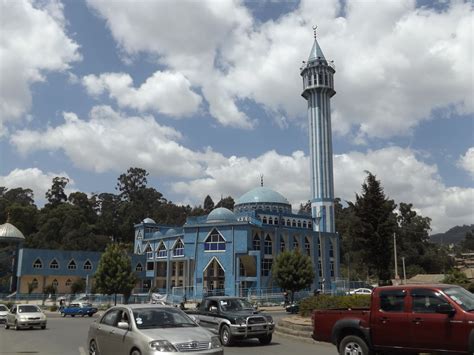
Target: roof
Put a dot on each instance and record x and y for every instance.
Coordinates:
(426, 279)
(8, 232)
(262, 195)
(316, 52)
(221, 214)
(148, 220)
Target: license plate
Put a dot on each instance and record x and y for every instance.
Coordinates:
(258, 327)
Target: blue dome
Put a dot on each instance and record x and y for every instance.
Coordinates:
(171, 231)
(261, 195)
(221, 214)
(157, 234)
(148, 220)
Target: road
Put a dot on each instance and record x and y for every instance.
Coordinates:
(68, 336)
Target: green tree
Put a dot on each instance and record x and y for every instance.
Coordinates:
(293, 271)
(226, 202)
(56, 195)
(114, 273)
(456, 277)
(374, 227)
(31, 287)
(208, 204)
(468, 243)
(131, 183)
(78, 286)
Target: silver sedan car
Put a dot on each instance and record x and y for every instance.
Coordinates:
(143, 329)
(25, 316)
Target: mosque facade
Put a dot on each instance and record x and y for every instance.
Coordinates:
(226, 252)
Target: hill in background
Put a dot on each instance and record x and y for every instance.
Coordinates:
(453, 236)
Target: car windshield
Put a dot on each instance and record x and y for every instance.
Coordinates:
(28, 309)
(235, 304)
(149, 318)
(3, 308)
(462, 297)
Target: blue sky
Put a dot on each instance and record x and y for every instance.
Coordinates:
(206, 97)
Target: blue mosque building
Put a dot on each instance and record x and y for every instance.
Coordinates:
(232, 252)
(227, 252)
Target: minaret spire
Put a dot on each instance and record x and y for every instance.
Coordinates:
(318, 88)
(261, 180)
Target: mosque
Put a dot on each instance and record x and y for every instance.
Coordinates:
(225, 252)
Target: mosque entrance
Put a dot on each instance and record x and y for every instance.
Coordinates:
(214, 278)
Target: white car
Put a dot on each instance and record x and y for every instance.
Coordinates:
(25, 316)
(3, 313)
(360, 291)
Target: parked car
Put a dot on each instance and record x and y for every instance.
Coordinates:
(3, 313)
(406, 318)
(142, 329)
(293, 308)
(234, 318)
(78, 309)
(360, 291)
(25, 316)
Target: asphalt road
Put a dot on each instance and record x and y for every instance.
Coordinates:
(68, 336)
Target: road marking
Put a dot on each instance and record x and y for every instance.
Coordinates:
(82, 351)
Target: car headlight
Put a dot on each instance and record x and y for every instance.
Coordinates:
(215, 342)
(270, 319)
(163, 346)
(240, 321)
(23, 318)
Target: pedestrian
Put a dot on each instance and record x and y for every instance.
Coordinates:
(285, 295)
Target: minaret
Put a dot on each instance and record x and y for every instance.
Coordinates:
(318, 88)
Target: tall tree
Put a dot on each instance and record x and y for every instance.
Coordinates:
(293, 271)
(208, 204)
(226, 202)
(375, 226)
(131, 183)
(114, 273)
(56, 195)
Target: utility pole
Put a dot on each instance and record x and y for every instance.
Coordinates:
(397, 278)
(404, 273)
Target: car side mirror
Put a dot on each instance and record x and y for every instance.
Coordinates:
(445, 308)
(213, 309)
(122, 325)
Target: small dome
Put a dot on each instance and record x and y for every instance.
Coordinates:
(148, 220)
(157, 234)
(221, 214)
(8, 232)
(171, 231)
(262, 195)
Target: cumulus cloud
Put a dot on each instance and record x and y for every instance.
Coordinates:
(466, 161)
(36, 180)
(404, 177)
(232, 56)
(111, 141)
(33, 42)
(164, 92)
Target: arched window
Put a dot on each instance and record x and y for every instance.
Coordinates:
(54, 264)
(293, 224)
(270, 220)
(331, 250)
(282, 244)
(256, 242)
(139, 267)
(87, 265)
(178, 248)
(275, 221)
(34, 283)
(295, 243)
(310, 225)
(68, 282)
(149, 251)
(307, 246)
(161, 251)
(288, 222)
(266, 266)
(72, 265)
(304, 224)
(264, 219)
(55, 283)
(331, 268)
(38, 264)
(268, 248)
(299, 224)
(214, 242)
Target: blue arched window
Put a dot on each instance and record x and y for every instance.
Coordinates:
(178, 248)
(295, 243)
(214, 242)
(307, 246)
(161, 251)
(268, 249)
(256, 242)
(54, 264)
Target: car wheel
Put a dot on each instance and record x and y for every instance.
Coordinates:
(265, 340)
(93, 350)
(6, 325)
(16, 327)
(73, 315)
(226, 337)
(43, 326)
(90, 314)
(135, 352)
(353, 345)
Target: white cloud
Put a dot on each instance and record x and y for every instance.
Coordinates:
(33, 42)
(388, 80)
(36, 180)
(466, 161)
(111, 141)
(165, 92)
(404, 177)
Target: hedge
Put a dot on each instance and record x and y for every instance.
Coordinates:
(331, 302)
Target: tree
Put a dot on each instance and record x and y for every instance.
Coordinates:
(31, 287)
(456, 277)
(208, 204)
(468, 243)
(114, 273)
(78, 286)
(226, 202)
(293, 271)
(305, 208)
(374, 227)
(131, 183)
(56, 195)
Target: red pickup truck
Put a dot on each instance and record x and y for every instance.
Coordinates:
(407, 318)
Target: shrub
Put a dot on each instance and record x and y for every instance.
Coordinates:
(332, 302)
(53, 308)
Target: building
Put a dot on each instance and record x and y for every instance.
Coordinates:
(232, 251)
